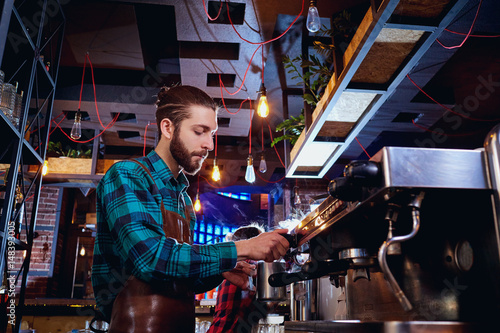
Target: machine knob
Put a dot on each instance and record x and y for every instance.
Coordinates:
(344, 189)
(364, 173)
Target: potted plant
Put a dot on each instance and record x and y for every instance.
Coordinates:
(73, 161)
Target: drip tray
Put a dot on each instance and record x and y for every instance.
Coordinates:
(356, 326)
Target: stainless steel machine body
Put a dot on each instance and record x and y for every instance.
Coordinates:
(417, 250)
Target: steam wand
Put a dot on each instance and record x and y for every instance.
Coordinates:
(382, 252)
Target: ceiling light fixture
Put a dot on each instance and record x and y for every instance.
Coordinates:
(313, 22)
(262, 164)
(263, 107)
(76, 129)
(215, 171)
(197, 203)
(45, 168)
(250, 173)
(296, 200)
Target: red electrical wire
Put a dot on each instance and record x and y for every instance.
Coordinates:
(87, 57)
(250, 131)
(146, 132)
(268, 41)
(36, 129)
(468, 34)
(31, 196)
(111, 123)
(276, 150)
(225, 107)
(260, 45)
(471, 35)
(262, 134)
(93, 85)
(262, 65)
(244, 76)
(215, 150)
(362, 147)
(206, 12)
(81, 86)
(447, 108)
(53, 120)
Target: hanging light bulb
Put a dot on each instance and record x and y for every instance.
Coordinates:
(45, 168)
(76, 130)
(313, 22)
(82, 251)
(216, 171)
(197, 203)
(250, 173)
(263, 107)
(296, 201)
(262, 164)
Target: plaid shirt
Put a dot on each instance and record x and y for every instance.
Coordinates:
(130, 239)
(233, 309)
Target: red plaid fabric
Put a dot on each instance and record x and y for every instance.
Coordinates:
(232, 309)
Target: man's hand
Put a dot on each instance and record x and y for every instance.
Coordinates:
(268, 246)
(240, 275)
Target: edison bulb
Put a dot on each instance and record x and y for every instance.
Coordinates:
(313, 22)
(45, 168)
(297, 200)
(262, 165)
(250, 173)
(263, 108)
(76, 130)
(215, 171)
(197, 203)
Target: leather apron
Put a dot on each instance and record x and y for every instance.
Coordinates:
(166, 306)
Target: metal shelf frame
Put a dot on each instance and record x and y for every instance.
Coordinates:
(40, 83)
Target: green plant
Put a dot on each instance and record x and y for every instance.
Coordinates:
(315, 78)
(56, 148)
(292, 127)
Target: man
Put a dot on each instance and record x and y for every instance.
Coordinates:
(145, 273)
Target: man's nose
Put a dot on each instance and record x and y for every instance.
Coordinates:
(208, 143)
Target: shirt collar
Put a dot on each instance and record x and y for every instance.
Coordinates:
(163, 171)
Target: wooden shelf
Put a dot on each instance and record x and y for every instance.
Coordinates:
(379, 56)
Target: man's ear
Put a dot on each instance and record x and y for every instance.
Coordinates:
(167, 128)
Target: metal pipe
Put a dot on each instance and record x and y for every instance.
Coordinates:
(382, 253)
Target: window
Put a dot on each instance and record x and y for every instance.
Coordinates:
(210, 233)
(238, 196)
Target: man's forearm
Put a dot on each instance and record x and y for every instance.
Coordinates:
(242, 249)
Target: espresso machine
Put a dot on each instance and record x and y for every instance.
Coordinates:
(409, 239)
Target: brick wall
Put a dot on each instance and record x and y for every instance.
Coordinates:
(41, 256)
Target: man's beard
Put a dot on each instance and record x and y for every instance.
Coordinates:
(183, 157)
